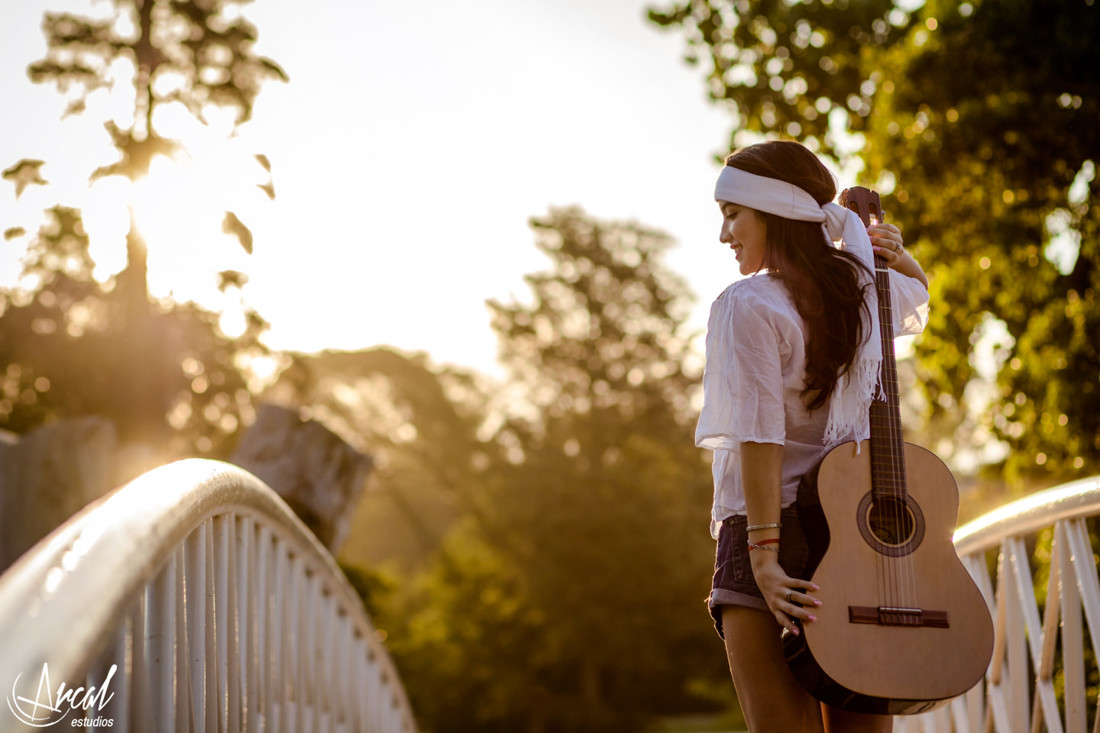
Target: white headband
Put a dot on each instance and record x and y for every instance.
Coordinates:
(851, 401)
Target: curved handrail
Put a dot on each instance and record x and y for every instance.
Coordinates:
(1030, 514)
(1034, 644)
(63, 601)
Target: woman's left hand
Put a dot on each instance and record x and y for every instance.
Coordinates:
(886, 242)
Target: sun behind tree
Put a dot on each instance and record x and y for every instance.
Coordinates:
(163, 78)
(167, 61)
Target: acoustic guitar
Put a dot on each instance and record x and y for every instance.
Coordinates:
(902, 627)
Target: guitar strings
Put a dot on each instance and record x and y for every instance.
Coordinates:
(887, 585)
(899, 577)
(896, 572)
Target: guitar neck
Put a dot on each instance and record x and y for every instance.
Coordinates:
(887, 446)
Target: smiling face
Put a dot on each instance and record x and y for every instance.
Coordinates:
(743, 229)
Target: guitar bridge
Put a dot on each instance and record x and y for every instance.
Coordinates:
(897, 616)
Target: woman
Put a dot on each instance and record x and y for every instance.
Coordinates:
(793, 356)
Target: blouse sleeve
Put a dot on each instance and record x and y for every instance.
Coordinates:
(909, 303)
(742, 379)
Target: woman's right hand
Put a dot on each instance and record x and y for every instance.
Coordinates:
(787, 598)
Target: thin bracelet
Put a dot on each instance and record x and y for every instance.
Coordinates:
(754, 527)
(755, 546)
(773, 541)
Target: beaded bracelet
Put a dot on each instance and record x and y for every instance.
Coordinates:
(754, 527)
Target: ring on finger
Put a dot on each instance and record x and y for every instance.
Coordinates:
(789, 591)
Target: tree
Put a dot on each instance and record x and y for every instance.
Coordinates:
(71, 348)
(791, 69)
(193, 54)
(572, 602)
(976, 121)
(165, 373)
(420, 424)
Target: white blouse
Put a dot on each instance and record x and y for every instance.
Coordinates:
(754, 377)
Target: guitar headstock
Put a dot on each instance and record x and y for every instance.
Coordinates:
(864, 202)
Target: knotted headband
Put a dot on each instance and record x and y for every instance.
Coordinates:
(856, 388)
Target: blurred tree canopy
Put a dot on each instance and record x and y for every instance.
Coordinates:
(420, 423)
(572, 600)
(71, 347)
(977, 121)
(165, 373)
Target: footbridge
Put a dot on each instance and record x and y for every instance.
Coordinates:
(193, 599)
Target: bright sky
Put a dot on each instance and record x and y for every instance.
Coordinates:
(410, 147)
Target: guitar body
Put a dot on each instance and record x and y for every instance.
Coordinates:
(902, 627)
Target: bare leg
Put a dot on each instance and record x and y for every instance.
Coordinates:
(770, 696)
(841, 721)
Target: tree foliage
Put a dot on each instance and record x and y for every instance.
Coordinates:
(196, 55)
(165, 373)
(572, 601)
(977, 122)
(783, 68)
(72, 347)
(420, 424)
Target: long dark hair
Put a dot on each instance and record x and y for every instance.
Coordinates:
(823, 282)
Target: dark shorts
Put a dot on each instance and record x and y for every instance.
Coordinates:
(733, 583)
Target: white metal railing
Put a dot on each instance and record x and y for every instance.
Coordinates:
(190, 599)
(1035, 660)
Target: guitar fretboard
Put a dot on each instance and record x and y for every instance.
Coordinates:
(887, 446)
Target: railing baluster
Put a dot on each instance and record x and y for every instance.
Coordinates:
(362, 684)
(221, 618)
(1044, 705)
(181, 668)
(1016, 636)
(306, 638)
(342, 687)
(323, 664)
(245, 595)
(280, 598)
(196, 623)
(291, 650)
(160, 647)
(141, 701)
(372, 701)
(1073, 665)
(233, 631)
(212, 670)
(1087, 582)
(1088, 586)
(119, 708)
(998, 675)
(261, 553)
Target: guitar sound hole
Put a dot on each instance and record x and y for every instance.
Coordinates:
(892, 526)
(891, 522)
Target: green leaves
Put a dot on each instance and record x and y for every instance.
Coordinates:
(975, 119)
(576, 570)
(606, 328)
(786, 68)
